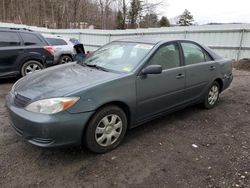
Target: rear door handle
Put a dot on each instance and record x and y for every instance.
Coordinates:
(212, 67)
(180, 76)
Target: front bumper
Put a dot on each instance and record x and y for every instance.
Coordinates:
(62, 129)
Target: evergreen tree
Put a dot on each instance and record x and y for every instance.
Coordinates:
(119, 21)
(186, 19)
(149, 20)
(135, 11)
(164, 22)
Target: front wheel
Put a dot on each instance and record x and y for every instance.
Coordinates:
(106, 129)
(212, 96)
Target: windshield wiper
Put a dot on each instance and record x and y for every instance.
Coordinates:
(96, 67)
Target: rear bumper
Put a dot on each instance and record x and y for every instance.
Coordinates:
(62, 129)
(49, 62)
(227, 80)
(56, 58)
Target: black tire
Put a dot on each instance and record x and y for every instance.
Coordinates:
(208, 103)
(65, 59)
(30, 67)
(96, 122)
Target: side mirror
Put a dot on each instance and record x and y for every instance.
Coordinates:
(152, 69)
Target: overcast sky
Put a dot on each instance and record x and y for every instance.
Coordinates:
(209, 10)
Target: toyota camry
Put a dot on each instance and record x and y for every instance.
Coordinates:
(121, 85)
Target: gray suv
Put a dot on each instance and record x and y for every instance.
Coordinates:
(64, 51)
(122, 85)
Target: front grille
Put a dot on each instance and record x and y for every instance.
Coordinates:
(21, 101)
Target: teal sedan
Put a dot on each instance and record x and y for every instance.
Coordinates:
(121, 85)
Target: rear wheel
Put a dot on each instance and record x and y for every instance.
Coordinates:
(65, 59)
(212, 96)
(31, 66)
(106, 129)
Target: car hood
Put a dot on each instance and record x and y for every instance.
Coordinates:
(61, 80)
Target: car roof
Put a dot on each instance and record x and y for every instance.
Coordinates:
(141, 40)
(55, 36)
(51, 36)
(150, 40)
(16, 29)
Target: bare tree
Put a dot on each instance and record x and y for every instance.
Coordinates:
(65, 13)
(105, 11)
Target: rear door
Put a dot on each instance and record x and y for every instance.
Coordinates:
(200, 70)
(159, 92)
(10, 48)
(34, 46)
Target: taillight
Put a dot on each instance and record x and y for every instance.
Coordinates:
(50, 49)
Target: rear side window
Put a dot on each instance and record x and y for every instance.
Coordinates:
(9, 39)
(31, 39)
(56, 42)
(194, 54)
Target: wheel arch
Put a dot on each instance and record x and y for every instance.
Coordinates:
(120, 104)
(220, 82)
(66, 54)
(30, 59)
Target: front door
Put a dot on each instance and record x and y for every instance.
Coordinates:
(159, 92)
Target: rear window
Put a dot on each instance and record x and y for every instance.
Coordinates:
(9, 39)
(56, 42)
(31, 39)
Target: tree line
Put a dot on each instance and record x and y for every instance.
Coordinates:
(102, 14)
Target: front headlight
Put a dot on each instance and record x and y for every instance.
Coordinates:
(51, 106)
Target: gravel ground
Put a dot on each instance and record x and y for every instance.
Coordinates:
(190, 148)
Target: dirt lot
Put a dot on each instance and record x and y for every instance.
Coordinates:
(157, 154)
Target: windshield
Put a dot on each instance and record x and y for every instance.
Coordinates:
(119, 56)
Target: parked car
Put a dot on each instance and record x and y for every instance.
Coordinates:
(64, 51)
(122, 85)
(23, 52)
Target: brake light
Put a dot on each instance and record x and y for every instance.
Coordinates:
(49, 49)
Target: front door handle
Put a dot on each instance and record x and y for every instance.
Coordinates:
(212, 68)
(180, 76)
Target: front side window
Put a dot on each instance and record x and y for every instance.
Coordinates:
(9, 39)
(119, 56)
(56, 41)
(31, 39)
(166, 56)
(194, 54)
